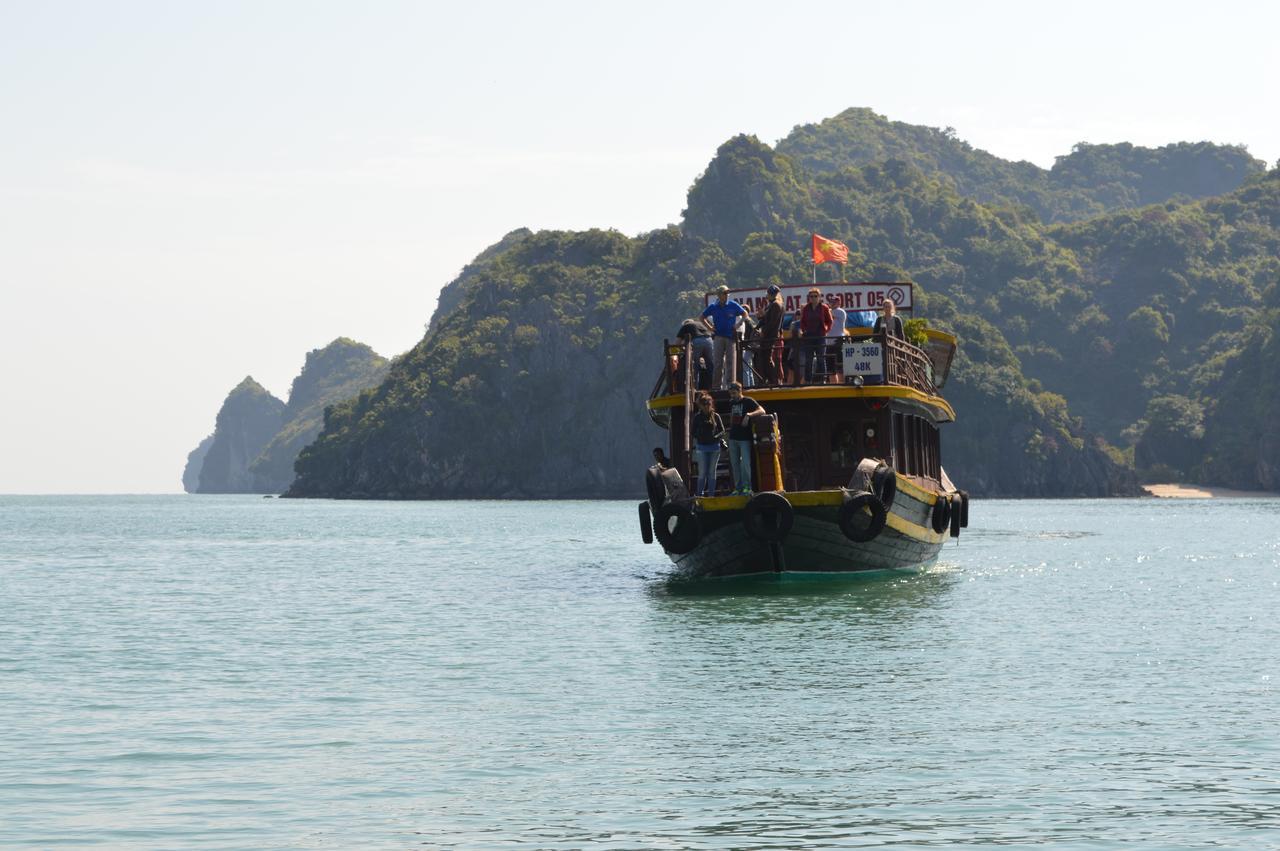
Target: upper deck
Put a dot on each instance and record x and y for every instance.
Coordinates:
(859, 364)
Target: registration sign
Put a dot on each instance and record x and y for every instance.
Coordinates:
(864, 359)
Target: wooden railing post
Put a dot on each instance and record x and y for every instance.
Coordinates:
(687, 464)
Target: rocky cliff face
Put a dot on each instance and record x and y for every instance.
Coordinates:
(195, 463)
(249, 418)
(258, 437)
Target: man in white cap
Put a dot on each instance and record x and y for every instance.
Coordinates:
(721, 316)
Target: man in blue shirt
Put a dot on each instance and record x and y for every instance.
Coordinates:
(721, 316)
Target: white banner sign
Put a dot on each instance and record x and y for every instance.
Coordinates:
(865, 359)
(849, 296)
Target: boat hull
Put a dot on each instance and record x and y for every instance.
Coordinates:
(815, 544)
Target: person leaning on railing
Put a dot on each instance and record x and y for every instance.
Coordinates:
(701, 350)
(815, 322)
(890, 321)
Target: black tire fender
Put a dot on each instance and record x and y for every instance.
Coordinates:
(654, 487)
(957, 507)
(853, 506)
(964, 509)
(677, 528)
(885, 484)
(941, 514)
(768, 517)
(646, 524)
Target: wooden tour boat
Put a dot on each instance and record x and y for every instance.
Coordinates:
(846, 467)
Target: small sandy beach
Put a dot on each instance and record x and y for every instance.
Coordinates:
(1177, 491)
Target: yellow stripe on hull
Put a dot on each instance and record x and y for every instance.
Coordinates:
(834, 498)
(826, 391)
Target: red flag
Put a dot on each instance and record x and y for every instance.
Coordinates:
(829, 251)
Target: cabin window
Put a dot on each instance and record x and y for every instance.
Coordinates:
(844, 445)
(913, 447)
(899, 444)
(933, 450)
(928, 447)
(919, 444)
(937, 454)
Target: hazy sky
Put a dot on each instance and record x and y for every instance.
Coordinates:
(195, 192)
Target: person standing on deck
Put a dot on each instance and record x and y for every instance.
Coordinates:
(891, 321)
(769, 355)
(721, 317)
(839, 318)
(707, 432)
(742, 409)
(747, 331)
(815, 322)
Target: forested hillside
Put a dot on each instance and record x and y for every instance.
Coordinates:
(1080, 340)
(1089, 181)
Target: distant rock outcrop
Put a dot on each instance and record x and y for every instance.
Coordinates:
(258, 437)
(195, 462)
(337, 372)
(249, 418)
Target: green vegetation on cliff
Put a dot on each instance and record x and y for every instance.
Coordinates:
(531, 379)
(529, 387)
(1242, 428)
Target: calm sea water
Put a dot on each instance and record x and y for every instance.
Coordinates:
(228, 672)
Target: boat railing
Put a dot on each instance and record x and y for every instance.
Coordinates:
(804, 362)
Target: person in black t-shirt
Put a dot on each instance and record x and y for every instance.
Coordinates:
(742, 409)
